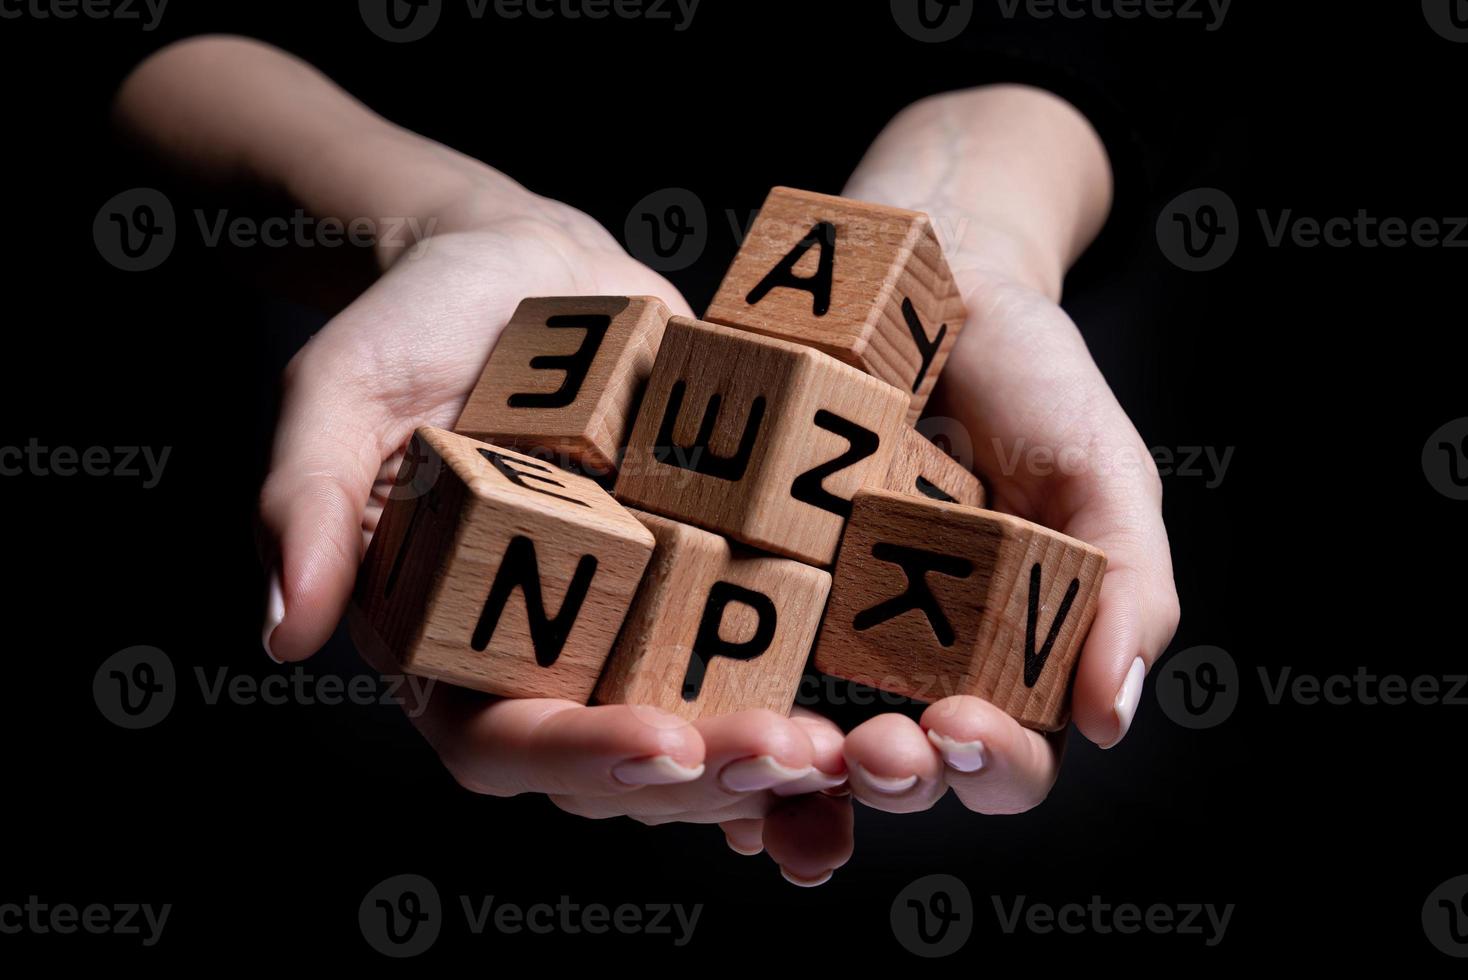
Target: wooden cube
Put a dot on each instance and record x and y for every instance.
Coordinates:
(920, 467)
(933, 599)
(863, 282)
(759, 439)
(564, 379)
(715, 628)
(495, 571)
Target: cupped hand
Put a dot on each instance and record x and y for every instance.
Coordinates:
(1053, 446)
(407, 353)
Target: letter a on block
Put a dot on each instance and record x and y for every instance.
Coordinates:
(759, 439)
(495, 571)
(565, 376)
(934, 598)
(865, 283)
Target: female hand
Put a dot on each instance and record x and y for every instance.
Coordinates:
(406, 353)
(1017, 184)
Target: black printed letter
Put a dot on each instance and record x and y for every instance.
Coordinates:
(916, 563)
(818, 285)
(699, 458)
(507, 469)
(709, 644)
(576, 364)
(1035, 662)
(519, 569)
(927, 348)
(807, 486)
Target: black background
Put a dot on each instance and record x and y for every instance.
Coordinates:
(1324, 549)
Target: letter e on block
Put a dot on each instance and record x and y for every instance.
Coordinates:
(565, 378)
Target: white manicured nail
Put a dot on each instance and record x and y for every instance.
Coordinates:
(274, 613)
(891, 785)
(1128, 698)
(760, 772)
(806, 882)
(657, 770)
(962, 756)
(816, 782)
(739, 850)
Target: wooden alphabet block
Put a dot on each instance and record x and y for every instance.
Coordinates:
(715, 629)
(919, 467)
(495, 571)
(565, 378)
(759, 439)
(865, 283)
(933, 599)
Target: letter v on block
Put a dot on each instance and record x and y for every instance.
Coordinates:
(934, 598)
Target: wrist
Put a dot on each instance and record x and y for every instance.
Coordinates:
(1015, 180)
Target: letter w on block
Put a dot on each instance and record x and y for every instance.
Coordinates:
(759, 439)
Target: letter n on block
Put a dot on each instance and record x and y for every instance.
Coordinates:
(933, 599)
(759, 439)
(565, 377)
(498, 572)
(715, 629)
(865, 283)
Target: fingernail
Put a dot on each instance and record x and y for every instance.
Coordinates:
(657, 770)
(816, 782)
(760, 772)
(739, 850)
(795, 879)
(886, 784)
(274, 613)
(1127, 699)
(962, 756)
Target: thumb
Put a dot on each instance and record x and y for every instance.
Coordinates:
(326, 455)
